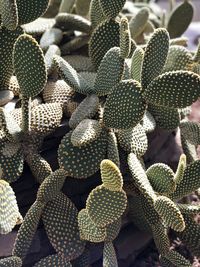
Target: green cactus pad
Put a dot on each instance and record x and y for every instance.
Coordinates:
(11, 160)
(109, 255)
(189, 150)
(6, 67)
(170, 213)
(136, 64)
(11, 262)
(161, 238)
(71, 77)
(9, 14)
(111, 176)
(175, 89)
(148, 122)
(155, 56)
(188, 209)
(140, 178)
(86, 110)
(9, 215)
(161, 177)
(49, 55)
(124, 106)
(86, 132)
(138, 23)
(179, 58)
(46, 117)
(109, 72)
(105, 206)
(180, 19)
(112, 230)
(166, 118)
(71, 22)
(81, 162)
(112, 150)
(125, 38)
(106, 35)
(177, 259)
(88, 229)
(51, 186)
(61, 226)
(111, 8)
(30, 10)
(27, 230)
(190, 181)
(180, 169)
(134, 140)
(40, 168)
(191, 131)
(191, 235)
(96, 13)
(29, 66)
(53, 260)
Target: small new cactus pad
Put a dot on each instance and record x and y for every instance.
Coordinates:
(155, 56)
(109, 255)
(50, 37)
(140, 178)
(191, 131)
(9, 212)
(179, 58)
(72, 22)
(96, 13)
(180, 19)
(40, 168)
(161, 177)
(136, 64)
(88, 229)
(190, 181)
(170, 213)
(81, 162)
(86, 132)
(61, 225)
(46, 117)
(30, 10)
(53, 260)
(71, 77)
(11, 160)
(111, 8)
(180, 169)
(6, 67)
(11, 262)
(29, 66)
(166, 118)
(105, 206)
(86, 110)
(191, 235)
(174, 89)
(111, 176)
(138, 23)
(82, 7)
(51, 186)
(125, 38)
(134, 140)
(9, 14)
(109, 72)
(112, 149)
(27, 230)
(148, 122)
(106, 35)
(124, 106)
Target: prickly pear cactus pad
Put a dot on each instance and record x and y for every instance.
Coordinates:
(111, 8)
(29, 66)
(9, 14)
(53, 260)
(125, 105)
(30, 10)
(61, 226)
(6, 67)
(106, 35)
(9, 212)
(11, 262)
(175, 89)
(82, 162)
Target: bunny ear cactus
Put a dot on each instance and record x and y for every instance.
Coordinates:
(12, 261)
(191, 131)
(9, 14)
(136, 64)
(96, 13)
(111, 8)
(125, 38)
(9, 212)
(109, 255)
(53, 260)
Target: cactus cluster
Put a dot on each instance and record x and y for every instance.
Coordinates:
(134, 74)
